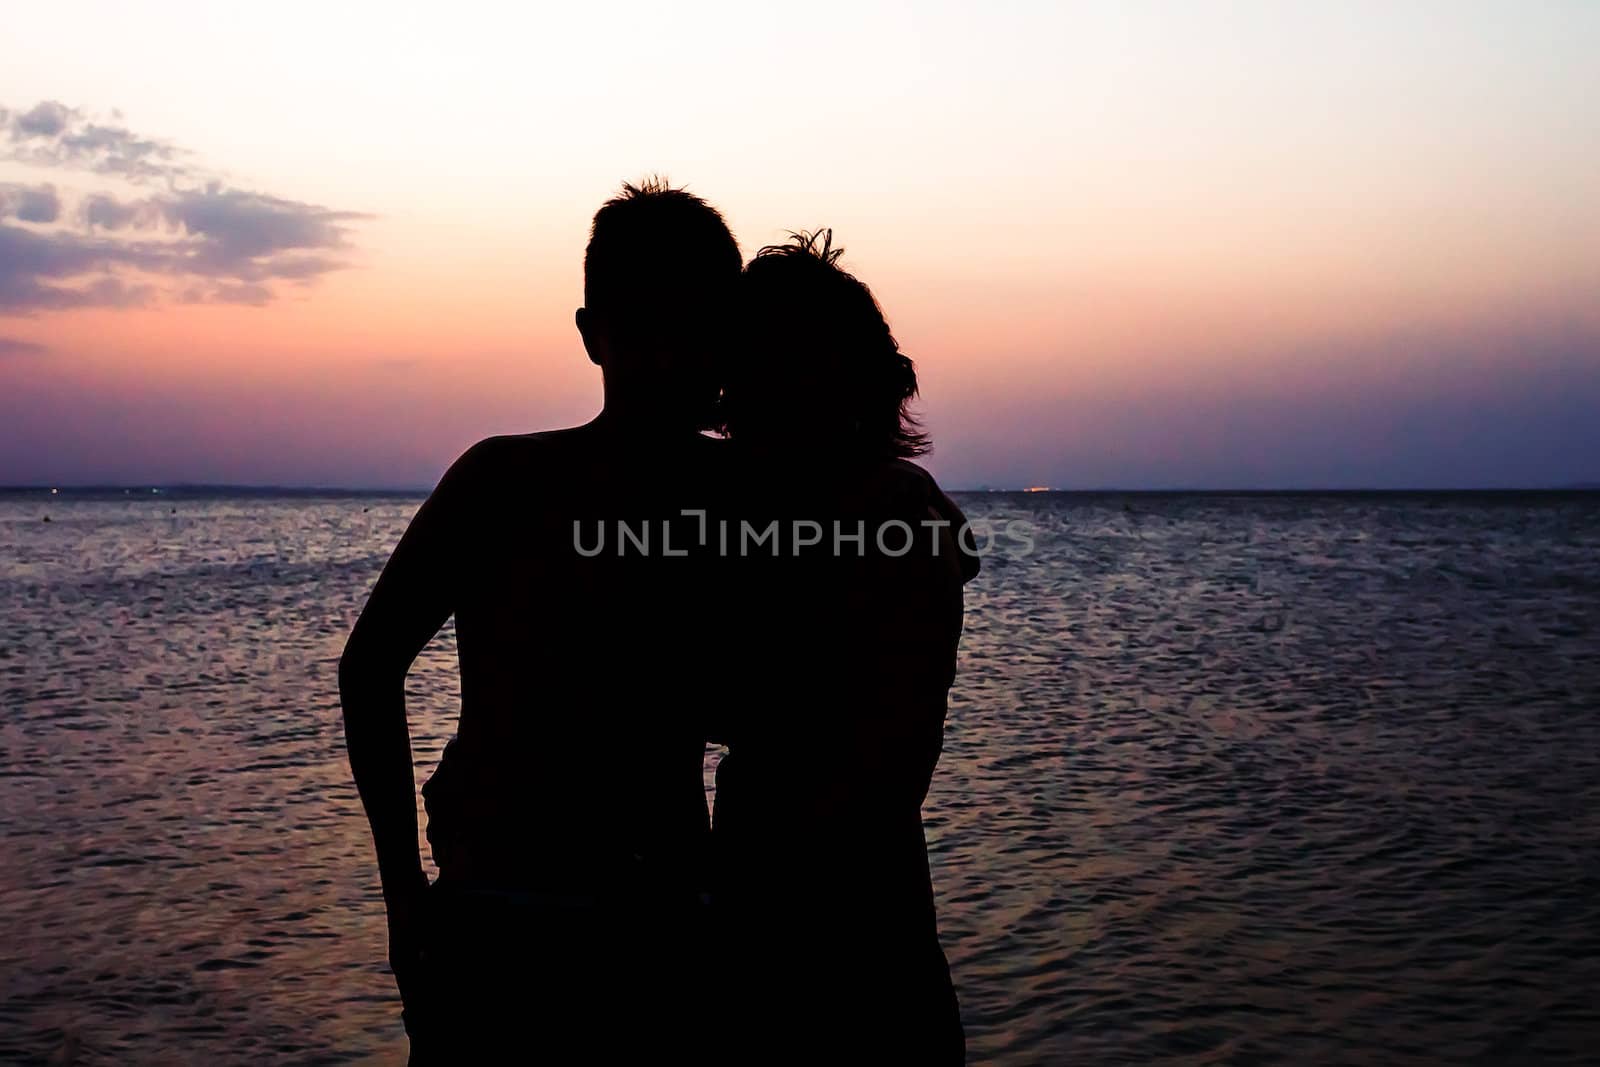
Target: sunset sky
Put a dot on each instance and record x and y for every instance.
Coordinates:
(1184, 244)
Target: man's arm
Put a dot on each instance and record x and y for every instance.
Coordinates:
(414, 596)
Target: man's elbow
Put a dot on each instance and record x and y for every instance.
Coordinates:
(372, 663)
(359, 670)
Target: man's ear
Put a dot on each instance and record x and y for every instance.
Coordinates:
(595, 342)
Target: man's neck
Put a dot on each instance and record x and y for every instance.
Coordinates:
(635, 421)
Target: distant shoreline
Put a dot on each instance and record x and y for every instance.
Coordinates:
(299, 492)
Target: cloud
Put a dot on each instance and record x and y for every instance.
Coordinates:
(51, 134)
(48, 118)
(29, 203)
(105, 212)
(50, 271)
(246, 225)
(218, 232)
(197, 240)
(15, 346)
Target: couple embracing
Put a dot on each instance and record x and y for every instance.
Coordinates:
(736, 550)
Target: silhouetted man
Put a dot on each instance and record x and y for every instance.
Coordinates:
(568, 815)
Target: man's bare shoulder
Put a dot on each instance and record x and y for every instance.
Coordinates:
(518, 457)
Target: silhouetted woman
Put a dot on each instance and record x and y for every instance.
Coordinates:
(828, 948)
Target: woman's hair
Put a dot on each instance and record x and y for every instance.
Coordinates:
(826, 357)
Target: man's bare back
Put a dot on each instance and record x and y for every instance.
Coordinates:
(568, 816)
(576, 751)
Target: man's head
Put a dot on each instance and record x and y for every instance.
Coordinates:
(659, 280)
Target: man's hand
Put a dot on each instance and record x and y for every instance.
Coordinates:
(407, 909)
(408, 918)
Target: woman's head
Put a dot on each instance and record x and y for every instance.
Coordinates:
(818, 367)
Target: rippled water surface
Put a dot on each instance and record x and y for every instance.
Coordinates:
(1227, 779)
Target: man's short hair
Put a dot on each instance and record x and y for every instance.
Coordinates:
(651, 242)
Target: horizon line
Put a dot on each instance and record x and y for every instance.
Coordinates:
(270, 488)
